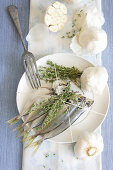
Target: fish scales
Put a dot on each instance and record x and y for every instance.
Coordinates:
(53, 116)
(74, 114)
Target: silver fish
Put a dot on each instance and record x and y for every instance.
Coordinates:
(34, 113)
(74, 113)
(36, 122)
(63, 115)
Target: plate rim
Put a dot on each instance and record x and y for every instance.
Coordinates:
(82, 59)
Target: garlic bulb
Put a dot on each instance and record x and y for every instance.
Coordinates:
(59, 86)
(88, 17)
(94, 79)
(89, 41)
(88, 146)
(56, 16)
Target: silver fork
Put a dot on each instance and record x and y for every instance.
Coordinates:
(28, 58)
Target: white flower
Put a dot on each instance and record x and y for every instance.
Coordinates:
(94, 79)
(89, 17)
(88, 146)
(56, 16)
(89, 41)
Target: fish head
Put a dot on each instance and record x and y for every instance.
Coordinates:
(89, 102)
(85, 101)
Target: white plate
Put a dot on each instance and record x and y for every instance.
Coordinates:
(85, 123)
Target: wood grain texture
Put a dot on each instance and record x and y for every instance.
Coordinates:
(11, 71)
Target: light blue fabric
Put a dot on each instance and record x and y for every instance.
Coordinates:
(11, 70)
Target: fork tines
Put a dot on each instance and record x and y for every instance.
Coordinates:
(32, 71)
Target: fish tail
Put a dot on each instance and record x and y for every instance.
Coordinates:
(31, 139)
(29, 117)
(13, 121)
(20, 128)
(24, 133)
(25, 138)
(37, 144)
(28, 139)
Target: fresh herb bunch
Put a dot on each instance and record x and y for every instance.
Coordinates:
(57, 106)
(53, 71)
(60, 101)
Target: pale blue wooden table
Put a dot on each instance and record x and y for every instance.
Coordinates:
(11, 70)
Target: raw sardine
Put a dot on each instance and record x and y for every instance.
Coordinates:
(73, 114)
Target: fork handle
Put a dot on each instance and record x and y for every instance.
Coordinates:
(13, 11)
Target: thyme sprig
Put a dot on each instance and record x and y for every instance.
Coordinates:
(43, 106)
(64, 73)
(57, 106)
(72, 32)
(47, 155)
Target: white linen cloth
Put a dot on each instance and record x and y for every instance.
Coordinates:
(50, 155)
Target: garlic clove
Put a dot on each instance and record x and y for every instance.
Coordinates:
(53, 28)
(56, 4)
(88, 146)
(63, 8)
(91, 151)
(60, 26)
(48, 19)
(50, 10)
